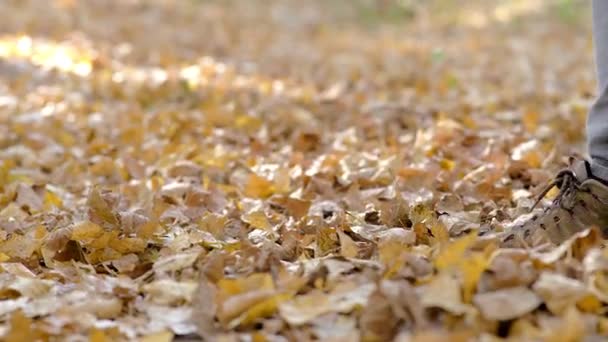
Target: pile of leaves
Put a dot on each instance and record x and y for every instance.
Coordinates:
(274, 171)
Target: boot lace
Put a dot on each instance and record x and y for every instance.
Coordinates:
(567, 183)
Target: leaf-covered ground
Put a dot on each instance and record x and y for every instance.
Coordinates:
(290, 170)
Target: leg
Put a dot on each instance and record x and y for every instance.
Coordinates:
(597, 122)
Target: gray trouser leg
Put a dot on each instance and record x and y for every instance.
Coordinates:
(597, 122)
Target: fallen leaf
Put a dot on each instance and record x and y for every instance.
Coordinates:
(257, 219)
(444, 291)
(559, 292)
(258, 187)
(453, 253)
(506, 304)
(170, 292)
(348, 247)
(163, 336)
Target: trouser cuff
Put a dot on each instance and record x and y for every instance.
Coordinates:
(599, 168)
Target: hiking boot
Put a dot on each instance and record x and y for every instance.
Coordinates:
(582, 202)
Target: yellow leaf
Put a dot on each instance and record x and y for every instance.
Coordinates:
(51, 200)
(257, 219)
(238, 304)
(19, 246)
(552, 193)
(258, 187)
(440, 232)
(101, 255)
(326, 241)
(256, 281)
(530, 120)
(127, 245)
(4, 257)
(258, 337)
(40, 232)
(603, 325)
(97, 335)
(4, 174)
(589, 303)
(102, 241)
(213, 223)
(447, 164)
(20, 329)
(148, 229)
(452, 253)
(421, 213)
(248, 123)
(472, 267)
(162, 336)
(262, 309)
(86, 231)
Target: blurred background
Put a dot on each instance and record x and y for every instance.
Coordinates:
(308, 64)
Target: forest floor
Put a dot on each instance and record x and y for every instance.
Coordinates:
(291, 170)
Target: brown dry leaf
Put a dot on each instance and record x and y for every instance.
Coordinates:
(304, 308)
(205, 307)
(175, 262)
(571, 327)
(327, 242)
(393, 245)
(17, 269)
(100, 306)
(176, 319)
(378, 321)
(213, 223)
(28, 198)
(19, 246)
(347, 296)
(348, 247)
(170, 292)
(335, 327)
(559, 292)
(126, 263)
(436, 336)
(506, 304)
(578, 245)
(26, 286)
(405, 302)
(344, 298)
(444, 291)
(99, 210)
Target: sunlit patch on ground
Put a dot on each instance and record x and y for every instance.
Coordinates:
(47, 54)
